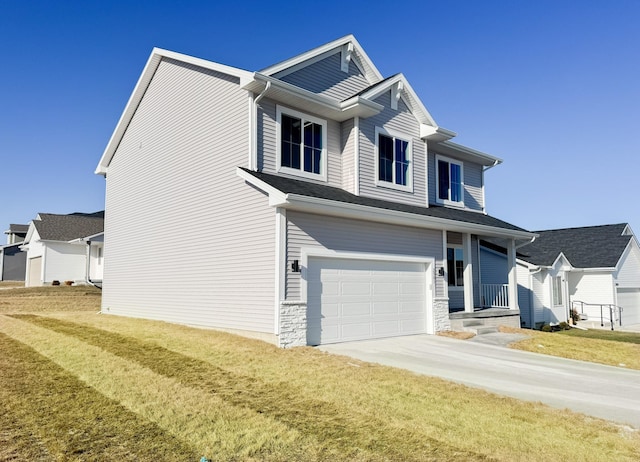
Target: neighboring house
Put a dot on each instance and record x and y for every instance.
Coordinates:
(13, 260)
(322, 201)
(594, 269)
(64, 248)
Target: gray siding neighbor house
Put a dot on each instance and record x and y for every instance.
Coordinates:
(329, 205)
(13, 259)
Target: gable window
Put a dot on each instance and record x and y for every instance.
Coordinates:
(455, 266)
(302, 141)
(394, 161)
(449, 182)
(557, 290)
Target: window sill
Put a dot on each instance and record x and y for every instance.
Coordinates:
(396, 187)
(303, 174)
(458, 205)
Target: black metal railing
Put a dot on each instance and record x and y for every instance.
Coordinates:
(607, 312)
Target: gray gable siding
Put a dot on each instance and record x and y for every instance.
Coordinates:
(402, 122)
(473, 196)
(308, 231)
(174, 171)
(348, 137)
(268, 149)
(326, 78)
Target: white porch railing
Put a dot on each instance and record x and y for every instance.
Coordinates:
(495, 295)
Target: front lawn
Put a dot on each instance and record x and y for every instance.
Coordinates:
(86, 386)
(599, 346)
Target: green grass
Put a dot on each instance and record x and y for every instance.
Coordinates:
(600, 334)
(85, 386)
(620, 349)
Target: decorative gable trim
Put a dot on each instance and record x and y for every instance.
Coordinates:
(340, 45)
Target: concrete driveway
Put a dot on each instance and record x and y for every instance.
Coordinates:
(611, 393)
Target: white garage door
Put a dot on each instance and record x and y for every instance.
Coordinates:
(361, 299)
(629, 300)
(35, 271)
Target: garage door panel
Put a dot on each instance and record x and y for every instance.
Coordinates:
(629, 300)
(372, 299)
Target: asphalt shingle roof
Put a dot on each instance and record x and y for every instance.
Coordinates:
(587, 247)
(52, 227)
(306, 188)
(18, 229)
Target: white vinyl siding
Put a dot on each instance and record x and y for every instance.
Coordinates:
(175, 173)
(65, 262)
(591, 287)
(347, 147)
(326, 78)
(308, 231)
(473, 197)
(628, 274)
(401, 123)
(268, 150)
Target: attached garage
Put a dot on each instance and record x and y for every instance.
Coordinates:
(356, 299)
(629, 300)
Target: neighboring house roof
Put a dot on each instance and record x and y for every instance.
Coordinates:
(17, 229)
(587, 247)
(52, 227)
(308, 189)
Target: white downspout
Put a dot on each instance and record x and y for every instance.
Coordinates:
(253, 161)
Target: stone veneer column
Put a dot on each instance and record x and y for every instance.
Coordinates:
(441, 314)
(293, 324)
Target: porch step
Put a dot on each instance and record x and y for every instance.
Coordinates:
(477, 327)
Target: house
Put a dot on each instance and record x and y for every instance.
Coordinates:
(64, 248)
(594, 270)
(12, 259)
(314, 201)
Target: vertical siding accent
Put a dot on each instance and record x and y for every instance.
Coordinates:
(475, 274)
(540, 297)
(326, 78)
(174, 174)
(473, 190)
(308, 231)
(524, 295)
(268, 150)
(403, 122)
(348, 137)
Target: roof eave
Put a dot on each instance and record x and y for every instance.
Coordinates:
(324, 106)
(455, 149)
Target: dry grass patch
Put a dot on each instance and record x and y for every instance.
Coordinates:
(50, 299)
(620, 350)
(457, 334)
(353, 410)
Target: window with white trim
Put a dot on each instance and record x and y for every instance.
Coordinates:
(302, 141)
(557, 290)
(449, 181)
(455, 266)
(393, 161)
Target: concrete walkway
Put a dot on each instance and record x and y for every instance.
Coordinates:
(611, 393)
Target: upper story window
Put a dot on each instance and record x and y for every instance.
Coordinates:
(393, 161)
(302, 141)
(449, 181)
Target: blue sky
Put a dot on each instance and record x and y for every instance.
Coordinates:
(551, 87)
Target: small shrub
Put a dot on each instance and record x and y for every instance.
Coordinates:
(68, 283)
(575, 316)
(55, 283)
(546, 328)
(564, 326)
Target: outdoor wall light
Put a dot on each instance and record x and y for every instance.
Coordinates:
(295, 266)
(441, 271)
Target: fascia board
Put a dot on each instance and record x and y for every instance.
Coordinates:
(344, 209)
(319, 104)
(276, 197)
(560, 259)
(451, 148)
(157, 54)
(285, 67)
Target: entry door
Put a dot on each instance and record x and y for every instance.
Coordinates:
(350, 299)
